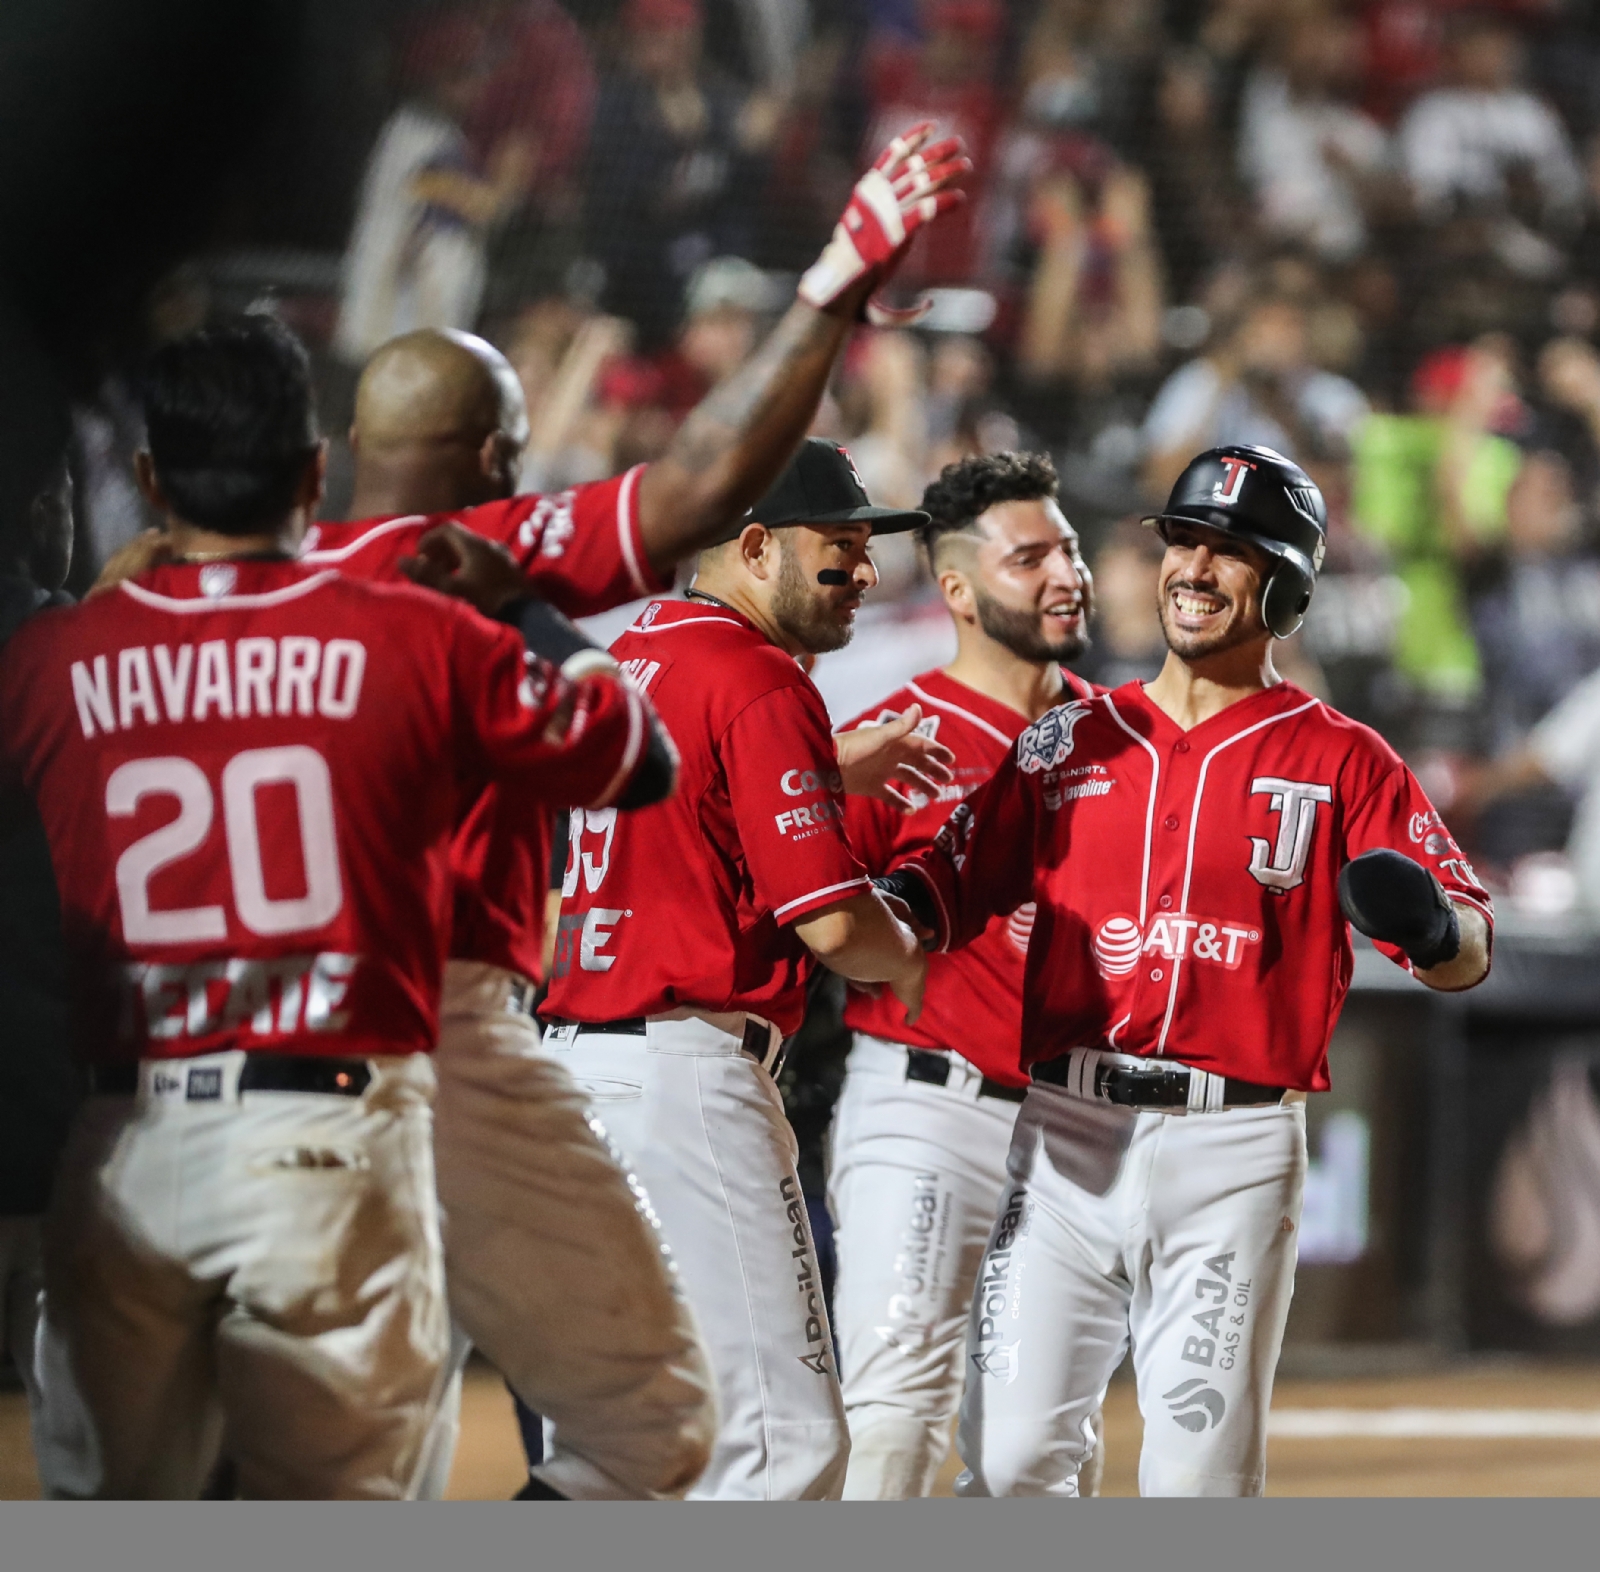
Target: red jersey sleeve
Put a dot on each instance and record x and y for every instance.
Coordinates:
(981, 862)
(873, 829)
(560, 742)
(1396, 815)
(580, 548)
(788, 801)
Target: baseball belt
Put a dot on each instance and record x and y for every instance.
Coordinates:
(261, 1072)
(1132, 1082)
(757, 1042)
(923, 1064)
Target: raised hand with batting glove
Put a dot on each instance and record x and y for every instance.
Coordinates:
(908, 186)
(1388, 897)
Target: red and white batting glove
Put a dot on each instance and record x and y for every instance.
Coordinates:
(908, 187)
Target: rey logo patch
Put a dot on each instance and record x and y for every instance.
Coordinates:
(1047, 744)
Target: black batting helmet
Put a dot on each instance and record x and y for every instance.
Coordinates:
(1268, 500)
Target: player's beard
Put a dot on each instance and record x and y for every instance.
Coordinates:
(1022, 632)
(808, 613)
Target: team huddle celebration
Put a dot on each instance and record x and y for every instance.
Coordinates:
(429, 970)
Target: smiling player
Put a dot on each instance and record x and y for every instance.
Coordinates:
(924, 1122)
(1189, 846)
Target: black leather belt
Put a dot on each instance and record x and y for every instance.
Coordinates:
(922, 1064)
(1157, 1087)
(755, 1041)
(634, 1026)
(261, 1072)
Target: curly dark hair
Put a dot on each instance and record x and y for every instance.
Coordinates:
(970, 487)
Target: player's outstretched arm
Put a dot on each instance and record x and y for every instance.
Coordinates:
(1391, 898)
(861, 939)
(735, 443)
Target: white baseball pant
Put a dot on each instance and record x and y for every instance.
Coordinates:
(915, 1171)
(556, 1264)
(261, 1264)
(1177, 1232)
(703, 1127)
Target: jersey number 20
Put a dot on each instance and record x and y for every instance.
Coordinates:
(300, 767)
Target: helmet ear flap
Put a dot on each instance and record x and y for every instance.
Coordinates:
(1284, 599)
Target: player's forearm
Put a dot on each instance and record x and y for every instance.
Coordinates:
(1470, 964)
(860, 939)
(736, 441)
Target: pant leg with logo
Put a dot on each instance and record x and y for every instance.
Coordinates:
(1178, 1232)
(703, 1127)
(555, 1262)
(915, 1171)
(264, 1264)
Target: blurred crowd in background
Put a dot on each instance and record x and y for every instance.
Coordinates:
(1363, 232)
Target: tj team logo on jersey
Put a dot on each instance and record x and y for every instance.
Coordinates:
(1281, 865)
(1119, 945)
(1047, 744)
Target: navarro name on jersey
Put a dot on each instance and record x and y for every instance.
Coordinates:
(220, 678)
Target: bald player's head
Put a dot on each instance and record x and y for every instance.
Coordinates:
(441, 415)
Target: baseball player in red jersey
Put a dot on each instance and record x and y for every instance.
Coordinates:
(920, 1135)
(686, 938)
(440, 426)
(249, 771)
(1188, 846)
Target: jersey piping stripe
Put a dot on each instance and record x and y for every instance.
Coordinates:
(630, 754)
(1194, 824)
(1472, 900)
(955, 709)
(350, 548)
(625, 521)
(827, 889)
(1149, 809)
(233, 602)
(686, 622)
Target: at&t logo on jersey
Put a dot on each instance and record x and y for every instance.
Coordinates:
(1047, 744)
(1119, 945)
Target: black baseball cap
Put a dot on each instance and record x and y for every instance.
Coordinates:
(821, 486)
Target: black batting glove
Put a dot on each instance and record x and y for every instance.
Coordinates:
(1387, 896)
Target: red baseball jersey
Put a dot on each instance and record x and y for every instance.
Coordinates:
(582, 551)
(1186, 881)
(580, 548)
(249, 773)
(690, 902)
(973, 999)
